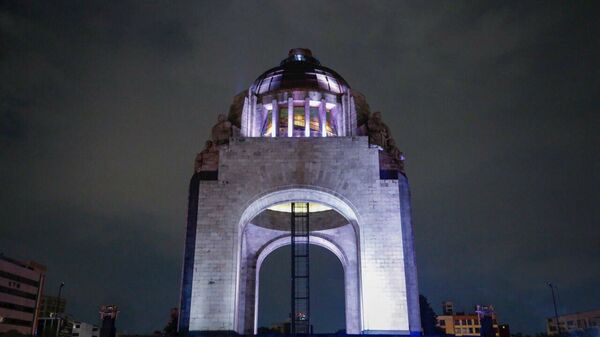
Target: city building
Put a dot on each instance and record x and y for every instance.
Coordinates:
(57, 325)
(82, 329)
(448, 308)
(299, 148)
(50, 305)
(21, 285)
(467, 324)
(574, 322)
(66, 326)
(503, 330)
(108, 316)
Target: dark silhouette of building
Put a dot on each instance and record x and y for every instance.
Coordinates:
(503, 330)
(108, 316)
(50, 305)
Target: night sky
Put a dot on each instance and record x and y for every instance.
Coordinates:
(103, 107)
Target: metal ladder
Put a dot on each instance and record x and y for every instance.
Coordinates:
(300, 320)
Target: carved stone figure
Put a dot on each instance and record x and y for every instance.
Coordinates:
(378, 131)
(208, 159)
(221, 131)
(398, 157)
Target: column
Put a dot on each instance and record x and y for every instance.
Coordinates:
(275, 118)
(344, 114)
(306, 117)
(322, 118)
(290, 117)
(336, 116)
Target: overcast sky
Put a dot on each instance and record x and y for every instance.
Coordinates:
(103, 107)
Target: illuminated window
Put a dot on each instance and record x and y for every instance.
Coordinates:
(268, 126)
(330, 125)
(314, 121)
(283, 120)
(299, 123)
(299, 118)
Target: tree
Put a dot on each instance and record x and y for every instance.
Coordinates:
(428, 317)
(171, 328)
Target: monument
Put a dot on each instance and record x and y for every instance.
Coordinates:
(299, 136)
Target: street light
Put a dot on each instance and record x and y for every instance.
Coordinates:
(62, 284)
(555, 310)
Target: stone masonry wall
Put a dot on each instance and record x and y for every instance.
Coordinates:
(342, 166)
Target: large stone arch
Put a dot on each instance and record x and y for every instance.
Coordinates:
(300, 192)
(340, 172)
(255, 243)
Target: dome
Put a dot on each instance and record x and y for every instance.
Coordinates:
(300, 70)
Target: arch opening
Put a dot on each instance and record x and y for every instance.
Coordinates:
(257, 241)
(326, 283)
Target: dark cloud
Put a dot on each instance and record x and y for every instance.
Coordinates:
(104, 106)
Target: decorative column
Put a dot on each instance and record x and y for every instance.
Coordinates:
(344, 115)
(307, 117)
(256, 122)
(290, 117)
(246, 125)
(275, 118)
(322, 118)
(336, 116)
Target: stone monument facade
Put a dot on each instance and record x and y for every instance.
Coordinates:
(299, 134)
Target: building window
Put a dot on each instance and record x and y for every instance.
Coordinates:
(442, 323)
(283, 120)
(268, 128)
(299, 120)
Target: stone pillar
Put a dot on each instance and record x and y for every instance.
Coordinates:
(410, 261)
(189, 256)
(290, 117)
(256, 121)
(306, 117)
(322, 118)
(275, 118)
(344, 116)
(246, 124)
(335, 114)
(352, 115)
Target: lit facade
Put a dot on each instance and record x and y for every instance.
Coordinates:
(574, 322)
(464, 324)
(21, 285)
(82, 329)
(299, 133)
